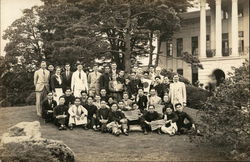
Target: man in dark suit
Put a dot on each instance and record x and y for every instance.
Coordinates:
(104, 79)
(47, 108)
(66, 77)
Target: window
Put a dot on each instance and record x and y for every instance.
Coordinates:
(169, 45)
(208, 42)
(240, 11)
(241, 41)
(179, 46)
(224, 15)
(194, 42)
(180, 71)
(225, 44)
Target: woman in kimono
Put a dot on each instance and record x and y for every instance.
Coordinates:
(77, 115)
(56, 84)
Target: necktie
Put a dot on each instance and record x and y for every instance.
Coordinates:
(67, 74)
(43, 72)
(80, 75)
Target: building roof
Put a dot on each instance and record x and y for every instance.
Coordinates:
(193, 14)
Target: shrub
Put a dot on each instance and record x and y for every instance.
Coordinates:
(226, 114)
(196, 96)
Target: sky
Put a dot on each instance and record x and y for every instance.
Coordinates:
(12, 10)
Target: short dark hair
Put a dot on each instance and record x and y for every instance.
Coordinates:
(103, 101)
(145, 72)
(67, 64)
(134, 103)
(83, 91)
(169, 105)
(77, 98)
(90, 97)
(178, 104)
(61, 97)
(158, 77)
(68, 89)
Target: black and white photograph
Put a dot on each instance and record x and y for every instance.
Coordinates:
(124, 80)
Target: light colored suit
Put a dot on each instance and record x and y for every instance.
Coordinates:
(177, 93)
(93, 81)
(41, 82)
(78, 84)
(41, 79)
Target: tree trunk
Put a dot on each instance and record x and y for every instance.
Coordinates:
(127, 55)
(151, 48)
(158, 51)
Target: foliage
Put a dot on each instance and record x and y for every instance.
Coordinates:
(226, 114)
(196, 97)
(170, 74)
(190, 59)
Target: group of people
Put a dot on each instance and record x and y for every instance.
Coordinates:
(112, 101)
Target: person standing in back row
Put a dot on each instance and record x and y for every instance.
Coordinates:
(93, 79)
(79, 81)
(41, 82)
(177, 92)
(67, 75)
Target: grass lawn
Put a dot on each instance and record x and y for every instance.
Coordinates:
(95, 146)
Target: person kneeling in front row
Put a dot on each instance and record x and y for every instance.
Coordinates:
(77, 115)
(184, 128)
(117, 121)
(102, 116)
(60, 114)
(171, 118)
(149, 116)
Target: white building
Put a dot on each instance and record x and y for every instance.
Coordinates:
(219, 37)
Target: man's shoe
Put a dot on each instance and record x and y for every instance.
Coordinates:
(85, 128)
(159, 131)
(60, 128)
(145, 133)
(126, 133)
(71, 128)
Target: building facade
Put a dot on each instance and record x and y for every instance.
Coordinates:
(219, 37)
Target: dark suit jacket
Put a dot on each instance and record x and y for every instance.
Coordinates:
(66, 81)
(142, 102)
(104, 81)
(46, 106)
(55, 83)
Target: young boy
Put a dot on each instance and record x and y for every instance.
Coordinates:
(97, 102)
(127, 102)
(184, 128)
(47, 108)
(69, 98)
(77, 115)
(92, 110)
(148, 117)
(84, 97)
(60, 114)
(117, 121)
(103, 95)
(102, 116)
(171, 118)
(141, 100)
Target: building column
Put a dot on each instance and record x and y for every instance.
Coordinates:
(235, 30)
(212, 28)
(202, 28)
(218, 26)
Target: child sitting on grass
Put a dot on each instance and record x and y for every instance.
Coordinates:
(77, 115)
(60, 114)
(117, 121)
(102, 116)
